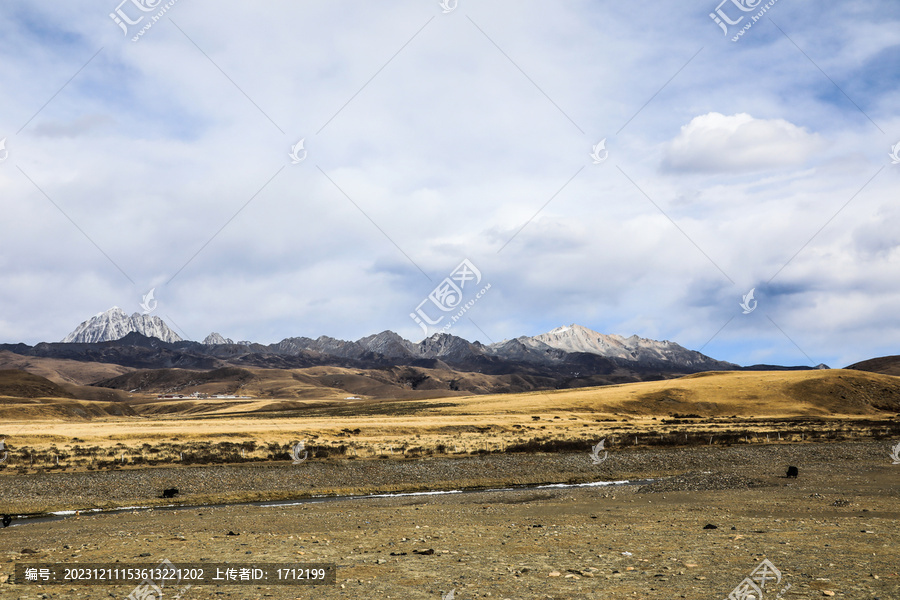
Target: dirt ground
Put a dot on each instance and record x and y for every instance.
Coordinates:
(833, 531)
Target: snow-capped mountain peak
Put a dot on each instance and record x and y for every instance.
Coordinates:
(216, 339)
(577, 338)
(563, 329)
(115, 324)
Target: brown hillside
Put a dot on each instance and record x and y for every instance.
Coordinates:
(60, 370)
(19, 384)
(886, 365)
(227, 380)
(754, 394)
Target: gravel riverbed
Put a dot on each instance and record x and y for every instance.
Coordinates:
(678, 469)
(706, 521)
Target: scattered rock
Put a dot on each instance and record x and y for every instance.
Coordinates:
(710, 526)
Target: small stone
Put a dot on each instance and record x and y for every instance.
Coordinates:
(827, 593)
(710, 526)
(554, 574)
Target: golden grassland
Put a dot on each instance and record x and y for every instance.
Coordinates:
(707, 408)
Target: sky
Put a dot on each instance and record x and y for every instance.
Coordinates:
(488, 169)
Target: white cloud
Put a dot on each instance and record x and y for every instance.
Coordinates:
(449, 149)
(738, 144)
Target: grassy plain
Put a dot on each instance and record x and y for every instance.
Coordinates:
(721, 408)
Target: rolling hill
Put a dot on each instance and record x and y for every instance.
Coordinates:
(20, 384)
(753, 394)
(886, 365)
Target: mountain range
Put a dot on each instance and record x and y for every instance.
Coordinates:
(555, 346)
(569, 356)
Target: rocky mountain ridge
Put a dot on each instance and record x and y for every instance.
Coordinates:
(146, 342)
(114, 324)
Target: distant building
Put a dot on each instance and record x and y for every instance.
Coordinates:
(201, 396)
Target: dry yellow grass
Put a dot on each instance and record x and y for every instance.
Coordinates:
(762, 401)
(833, 392)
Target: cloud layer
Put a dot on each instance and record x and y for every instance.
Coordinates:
(716, 143)
(164, 164)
